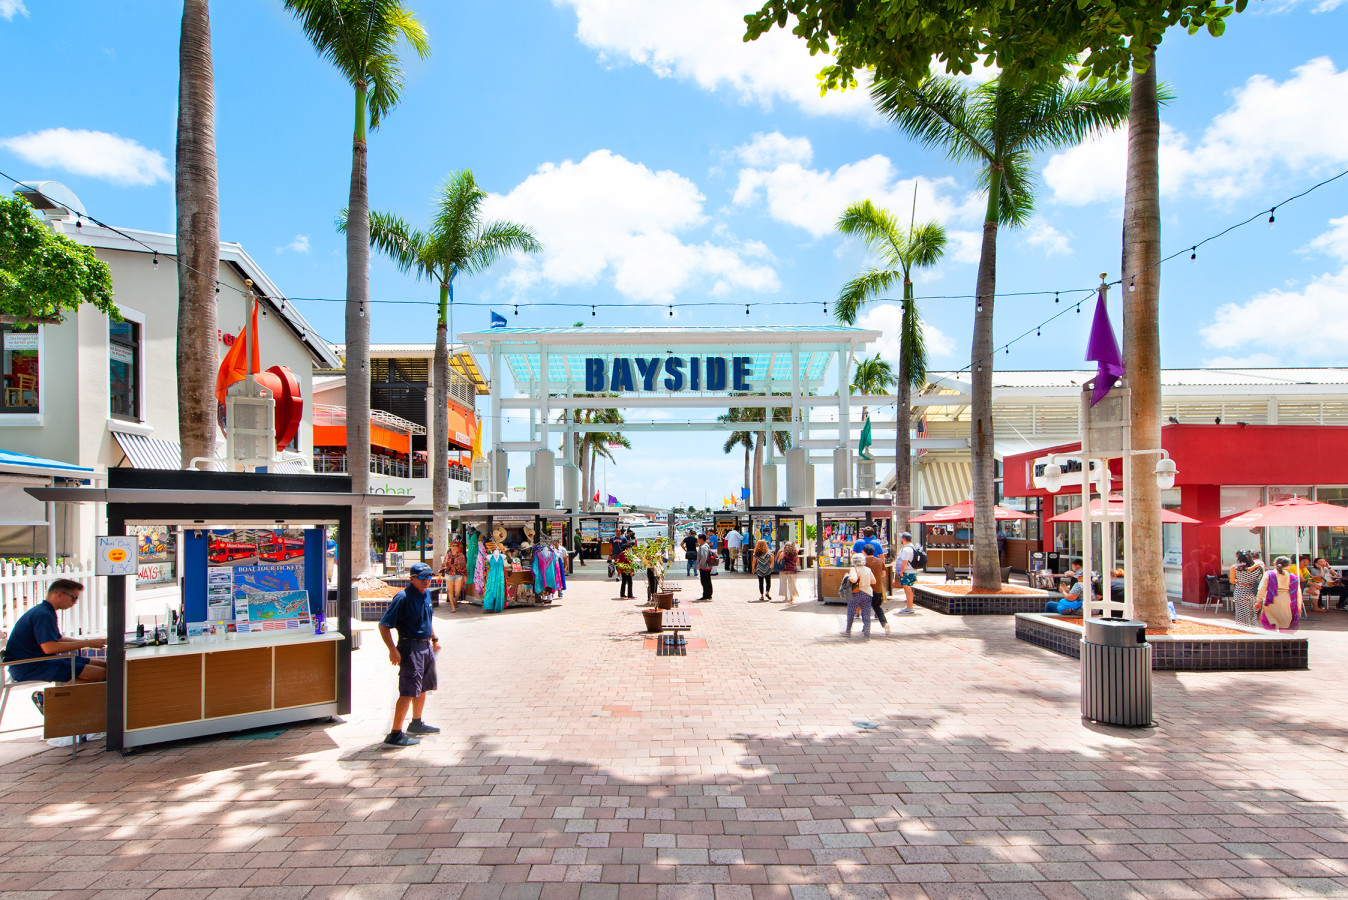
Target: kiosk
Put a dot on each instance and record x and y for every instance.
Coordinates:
(776, 525)
(597, 531)
(838, 526)
(516, 528)
(275, 659)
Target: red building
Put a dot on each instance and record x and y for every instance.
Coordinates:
(1223, 469)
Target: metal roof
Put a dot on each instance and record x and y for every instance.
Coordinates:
(22, 463)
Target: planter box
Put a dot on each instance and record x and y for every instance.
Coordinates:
(1252, 649)
(951, 603)
(654, 619)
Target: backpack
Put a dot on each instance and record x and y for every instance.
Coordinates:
(712, 559)
(919, 557)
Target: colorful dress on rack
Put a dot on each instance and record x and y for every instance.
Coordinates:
(480, 564)
(549, 574)
(470, 559)
(493, 595)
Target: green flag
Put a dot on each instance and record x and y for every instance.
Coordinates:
(865, 439)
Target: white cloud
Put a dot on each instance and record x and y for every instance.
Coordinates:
(1333, 242)
(1041, 234)
(93, 153)
(11, 8)
(887, 318)
(1296, 124)
(1278, 323)
(813, 199)
(608, 217)
(299, 245)
(702, 41)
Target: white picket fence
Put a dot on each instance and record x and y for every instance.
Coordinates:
(23, 587)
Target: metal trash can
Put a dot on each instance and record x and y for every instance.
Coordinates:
(1116, 672)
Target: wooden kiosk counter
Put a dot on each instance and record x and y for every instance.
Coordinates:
(278, 658)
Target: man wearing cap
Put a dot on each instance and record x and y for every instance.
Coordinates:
(414, 655)
(906, 572)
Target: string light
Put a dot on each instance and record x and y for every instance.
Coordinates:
(671, 310)
(1132, 285)
(1193, 254)
(1270, 216)
(592, 312)
(1055, 296)
(746, 309)
(79, 221)
(979, 307)
(517, 309)
(154, 262)
(1078, 309)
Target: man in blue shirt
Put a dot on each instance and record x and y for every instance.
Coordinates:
(868, 538)
(414, 655)
(37, 634)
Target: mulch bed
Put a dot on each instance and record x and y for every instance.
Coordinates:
(1180, 627)
(968, 589)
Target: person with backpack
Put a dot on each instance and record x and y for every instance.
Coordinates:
(706, 564)
(906, 569)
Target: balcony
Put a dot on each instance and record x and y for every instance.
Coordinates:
(389, 466)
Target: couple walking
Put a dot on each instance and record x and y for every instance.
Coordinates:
(786, 563)
(867, 577)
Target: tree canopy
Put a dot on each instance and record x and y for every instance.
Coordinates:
(905, 39)
(44, 275)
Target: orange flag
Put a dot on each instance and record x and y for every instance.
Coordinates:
(237, 363)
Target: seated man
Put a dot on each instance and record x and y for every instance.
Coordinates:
(37, 634)
(1074, 598)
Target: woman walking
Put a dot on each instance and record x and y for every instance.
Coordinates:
(863, 583)
(763, 569)
(790, 560)
(1245, 575)
(1279, 597)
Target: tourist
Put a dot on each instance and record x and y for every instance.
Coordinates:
(1073, 600)
(414, 654)
(455, 570)
(762, 565)
(1278, 597)
(863, 582)
(1332, 584)
(37, 634)
(704, 565)
(906, 572)
(878, 596)
(690, 552)
(789, 559)
(627, 565)
(1311, 583)
(868, 539)
(733, 540)
(1245, 574)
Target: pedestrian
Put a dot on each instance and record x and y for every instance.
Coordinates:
(706, 562)
(690, 552)
(414, 654)
(788, 558)
(878, 595)
(762, 565)
(1245, 575)
(1278, 597)
(906, 572)
(863, 582)
(626, 567)
(868, 539)
(733, 541)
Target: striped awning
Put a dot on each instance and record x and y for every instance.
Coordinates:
(944, 482)
(144, 452)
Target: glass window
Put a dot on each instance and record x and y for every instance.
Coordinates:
(1067, 535)
(1233, 500)
(124, 370)
(1332, 543)
(21, 352)
(1021, 529)
(1284, 541)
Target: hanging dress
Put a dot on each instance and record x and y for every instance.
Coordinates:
(493, 595)
(545, 571)
(470, 560)
(480, 564)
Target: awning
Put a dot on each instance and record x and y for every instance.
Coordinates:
(144, 452)
(944, 482)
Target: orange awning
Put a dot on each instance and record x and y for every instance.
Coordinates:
(462, 427)
(335, 436)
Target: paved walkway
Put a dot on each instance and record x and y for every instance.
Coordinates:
(578, 764)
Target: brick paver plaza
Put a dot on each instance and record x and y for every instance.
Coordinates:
(579, 764)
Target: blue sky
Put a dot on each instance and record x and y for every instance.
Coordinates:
(661, 160)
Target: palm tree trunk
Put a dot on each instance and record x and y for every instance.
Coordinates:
(760, 440)
(748, 478)
(198, 233)
(440, 430)
(358, 339)
(1142, 342)
(987, 574)
(583, 458)
(903, 442)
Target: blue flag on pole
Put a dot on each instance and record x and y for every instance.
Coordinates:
(497, 320)
(744, 493)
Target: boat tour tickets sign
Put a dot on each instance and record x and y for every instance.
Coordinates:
(671, 373)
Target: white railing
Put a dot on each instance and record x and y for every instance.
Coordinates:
(23, 587)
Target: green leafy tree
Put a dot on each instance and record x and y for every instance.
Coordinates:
(901, 251)
(361, 38)
(755, 439)
(997, 126)
(458, 242)
(44, 275)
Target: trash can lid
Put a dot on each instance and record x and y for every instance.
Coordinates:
(1116, 632)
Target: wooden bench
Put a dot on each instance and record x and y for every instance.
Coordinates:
(675, 621)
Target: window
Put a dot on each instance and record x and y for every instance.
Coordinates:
(124, 370)
(21, 356)
(1235, 499)
(1332, 543)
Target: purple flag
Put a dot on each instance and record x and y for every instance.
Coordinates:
(612, 500)
(1103, 350)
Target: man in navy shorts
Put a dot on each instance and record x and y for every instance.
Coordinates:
(414, 655)
(37, 634)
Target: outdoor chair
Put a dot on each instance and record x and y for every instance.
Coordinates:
(1219, 592)
(952, 575)
(10, 684)
(1006, 574)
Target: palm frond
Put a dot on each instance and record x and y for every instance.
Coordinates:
(867, 286)
(937, 114)
(400, 242)
(924, 245)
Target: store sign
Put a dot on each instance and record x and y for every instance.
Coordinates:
(708, 373)
(116, 556)
(154, 573)
(419, 489)
(1071, 470)
(20, 341)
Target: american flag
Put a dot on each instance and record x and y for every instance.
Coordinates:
(921, 433)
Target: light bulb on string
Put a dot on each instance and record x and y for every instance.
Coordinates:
(1038, 332)
(1078, 309)
(362, 310)
(217, 287)
(154, 261)
(979, 307)
(1056, 298)
(746, 309)
(517, 309)
(592, 312)
(79, 221)
(1193, 254)
(1132, 285)
(1270, 216)
(671, 310)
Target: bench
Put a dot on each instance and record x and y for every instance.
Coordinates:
(675, 621)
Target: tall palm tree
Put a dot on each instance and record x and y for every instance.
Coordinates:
(458, 242)
(198, 231)
(743, 439)
(901, 251)
(601, 442)
(361, 38)
(756, 439)
(998, 126)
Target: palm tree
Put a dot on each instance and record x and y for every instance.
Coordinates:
(198, 232)
(756, 439)
(601, 442)
(361, 38)
(743, 439)
(919, 246)
(458, 242)
(999, 126)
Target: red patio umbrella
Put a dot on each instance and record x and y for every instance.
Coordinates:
(1115, 511)
(964, 512)
(1292, 512)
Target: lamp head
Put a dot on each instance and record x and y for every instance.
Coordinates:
(1052, 477)
(1165, 473)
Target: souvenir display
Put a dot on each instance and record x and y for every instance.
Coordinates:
(493, 595)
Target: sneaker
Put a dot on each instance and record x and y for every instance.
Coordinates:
(846, 634)
(420, 727)
(400, 739)
(37, 701)
(887, 629)
(906, 611)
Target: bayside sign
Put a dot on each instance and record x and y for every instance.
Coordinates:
(710, 373)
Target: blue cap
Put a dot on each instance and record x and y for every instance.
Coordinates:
(420, 570)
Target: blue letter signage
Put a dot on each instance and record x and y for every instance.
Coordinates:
(710, 373)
